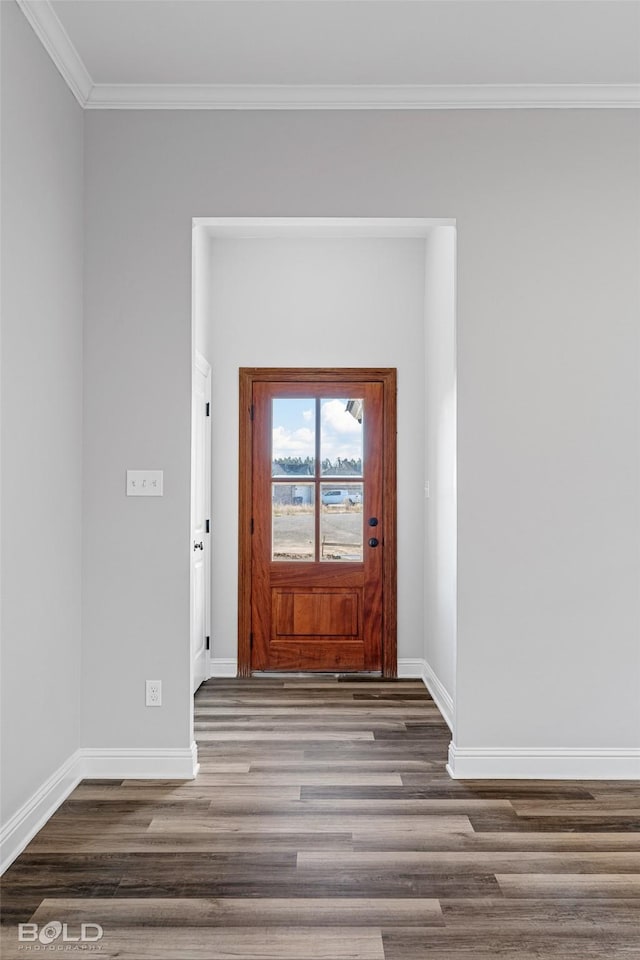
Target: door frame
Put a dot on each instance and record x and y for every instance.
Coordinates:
(388, 377)
(201, 364)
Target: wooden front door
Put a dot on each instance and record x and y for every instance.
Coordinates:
(317, 521)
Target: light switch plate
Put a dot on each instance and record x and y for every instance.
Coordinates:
(145, 483)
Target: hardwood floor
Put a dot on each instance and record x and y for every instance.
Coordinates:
(323, 826)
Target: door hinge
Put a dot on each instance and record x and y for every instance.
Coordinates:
(207, 409)
(207, 526)
(252, 412)
(252, 526)
(207, 641)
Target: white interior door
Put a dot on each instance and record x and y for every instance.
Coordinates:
(200, 520)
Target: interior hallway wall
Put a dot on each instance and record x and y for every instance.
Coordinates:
(42, 169)
(547, 210)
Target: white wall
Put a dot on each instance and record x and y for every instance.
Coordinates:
(327, 303)
(546, 203)
(440, 541)
(42, 152)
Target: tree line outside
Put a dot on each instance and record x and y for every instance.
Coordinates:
(339, 467)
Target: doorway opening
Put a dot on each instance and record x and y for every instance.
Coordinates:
(338, 293)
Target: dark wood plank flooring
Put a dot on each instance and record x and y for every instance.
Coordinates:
(323, 826)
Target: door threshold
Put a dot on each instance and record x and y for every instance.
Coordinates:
(317, 675)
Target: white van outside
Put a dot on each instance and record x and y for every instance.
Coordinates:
(335, 495)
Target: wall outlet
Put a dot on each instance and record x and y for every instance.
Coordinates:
(427, 490)
(154, 693)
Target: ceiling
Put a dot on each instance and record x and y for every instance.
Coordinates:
(344, 52)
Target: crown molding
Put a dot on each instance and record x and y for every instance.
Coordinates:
(56, 42)
(359, 97)
(113, 96)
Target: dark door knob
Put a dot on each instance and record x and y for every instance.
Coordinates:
(373, 542)
(373, 521)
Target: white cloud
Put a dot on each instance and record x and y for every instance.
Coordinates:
(335, 419)
(293, 443)
(308, 415)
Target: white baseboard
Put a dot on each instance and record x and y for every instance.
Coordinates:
(35, 812)
(410, 669)
(421, 670)
(543, 763)
(99, 763)
(139, 763)
(441, 696)
(223, 668)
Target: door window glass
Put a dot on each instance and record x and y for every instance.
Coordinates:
(316, 452)
(293, 521)
(341, 437)
(341, 521)
(293, 445)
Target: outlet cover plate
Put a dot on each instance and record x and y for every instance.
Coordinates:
(153, 693)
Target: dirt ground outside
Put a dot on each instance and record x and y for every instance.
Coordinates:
(341, 533)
